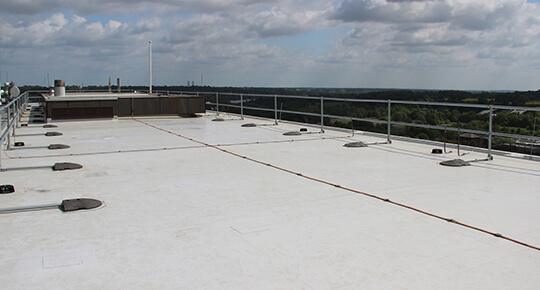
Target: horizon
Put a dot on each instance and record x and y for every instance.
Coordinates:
(105, 86)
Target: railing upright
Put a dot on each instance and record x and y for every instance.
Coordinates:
(490, 132)
(275, 110)
(8, 127)
(217, 104)
(242, 106)
(322, 114)
(388, 139)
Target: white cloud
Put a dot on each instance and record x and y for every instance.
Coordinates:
(370, 43)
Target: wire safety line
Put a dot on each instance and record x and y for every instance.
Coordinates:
(498, 235)
(169, 148)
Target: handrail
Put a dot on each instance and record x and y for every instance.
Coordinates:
(242, 97)
(9, 115)
(490, 133)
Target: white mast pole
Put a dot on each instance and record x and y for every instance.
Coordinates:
(150, 61)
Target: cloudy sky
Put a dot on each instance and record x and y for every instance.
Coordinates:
(432, 44)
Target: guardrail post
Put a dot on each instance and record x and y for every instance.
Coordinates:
(322, 114)
(217, 104)
(242, 106)
(275, 110)
(490, 133)
(389, 122)
(8, 126)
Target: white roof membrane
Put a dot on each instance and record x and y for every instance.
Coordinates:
(191, 203)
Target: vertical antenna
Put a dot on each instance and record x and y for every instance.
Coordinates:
(201, 80)
(150, 61)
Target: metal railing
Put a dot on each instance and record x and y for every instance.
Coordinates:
(10, 115)
(489, 133)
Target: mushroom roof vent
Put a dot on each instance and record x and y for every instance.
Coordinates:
(455, 163)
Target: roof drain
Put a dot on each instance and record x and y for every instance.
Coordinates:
(67, 205)
(50, 126)
(7, 188)
(218, 119)
(249, 125)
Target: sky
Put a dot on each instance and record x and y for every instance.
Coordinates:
(420, 44)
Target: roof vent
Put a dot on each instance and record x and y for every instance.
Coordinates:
(50, 134)
(50, 126)
(79, 203)
(58, 146)
(18, 144)
(249, 125)
(436, 151)
(218, 119)
(356, 144)
(8, 188)
(455, 163)
(303, 129)
(66, 166)
(292, 133)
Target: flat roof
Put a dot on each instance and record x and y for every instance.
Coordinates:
(196, 203)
